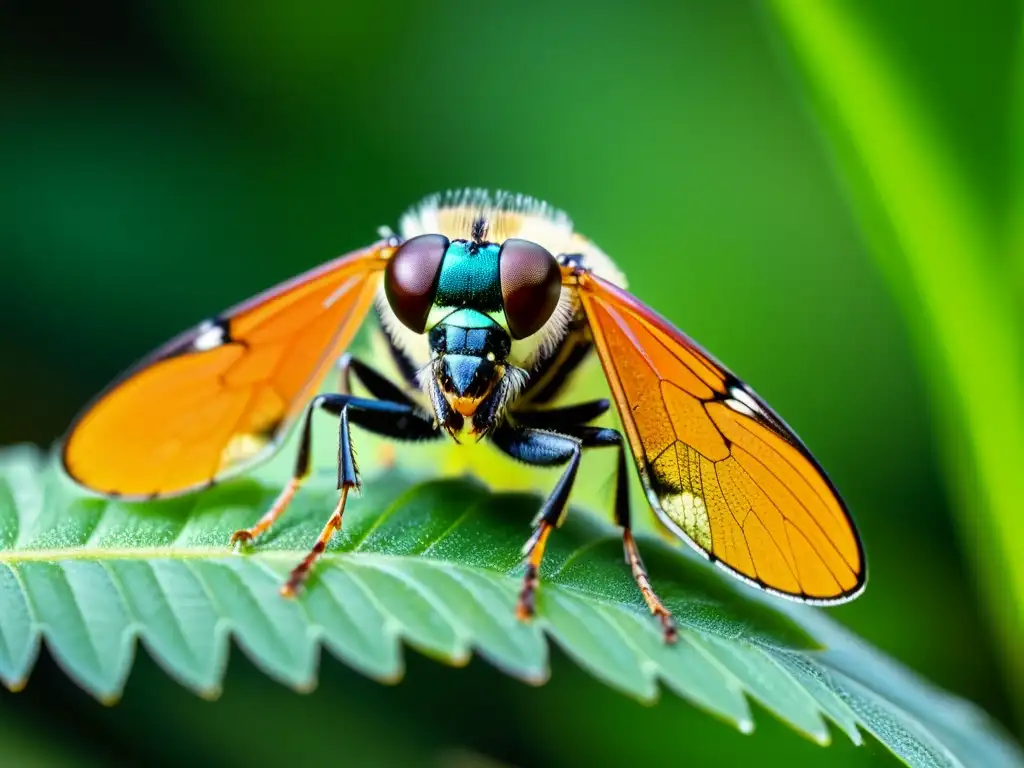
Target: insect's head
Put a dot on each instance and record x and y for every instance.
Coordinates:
(472, 298)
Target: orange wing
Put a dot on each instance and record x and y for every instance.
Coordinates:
(217, 399)
(721, 469)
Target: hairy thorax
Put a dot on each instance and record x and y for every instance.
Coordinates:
(469, 282)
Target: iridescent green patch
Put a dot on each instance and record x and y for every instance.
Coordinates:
(470, 277)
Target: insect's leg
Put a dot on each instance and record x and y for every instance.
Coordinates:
(345, 374)
(299, 475)
(407, 370)
(545, 449)
(376, 384)
(380, 388)
(390, 419)
(564, 417)
(593, 437)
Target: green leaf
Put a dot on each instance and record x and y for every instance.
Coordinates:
(435, 566)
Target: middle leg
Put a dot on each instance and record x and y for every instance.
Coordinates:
(387, 418)
(393, 414)
(611, 437)
(541, 447)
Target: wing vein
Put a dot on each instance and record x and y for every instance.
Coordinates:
(793, 523)
(794, 467)
(642, 354)
(186, 416)
(796, 496)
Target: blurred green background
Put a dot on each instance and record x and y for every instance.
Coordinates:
(160, 161)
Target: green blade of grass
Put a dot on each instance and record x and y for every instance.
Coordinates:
(1015, 226)
(937, 244)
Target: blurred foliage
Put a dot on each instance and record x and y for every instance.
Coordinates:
(162, 161)
(936, 197)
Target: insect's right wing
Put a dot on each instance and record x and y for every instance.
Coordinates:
(721, 469)
(217, 399)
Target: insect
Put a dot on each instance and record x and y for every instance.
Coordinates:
(488, 304)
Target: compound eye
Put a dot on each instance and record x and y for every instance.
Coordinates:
(410, 279)
(530, 286)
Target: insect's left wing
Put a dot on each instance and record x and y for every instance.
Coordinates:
(216, 399)
(721, 469)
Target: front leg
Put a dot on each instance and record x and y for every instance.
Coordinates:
(394, 415)
(542, 448)
(549, 448)
(391, 419)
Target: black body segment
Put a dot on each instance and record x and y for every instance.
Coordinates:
(472, 379)
(469, 333)
(468, 356)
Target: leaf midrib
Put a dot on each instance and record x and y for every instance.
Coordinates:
(278, 555)
(199, 553)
